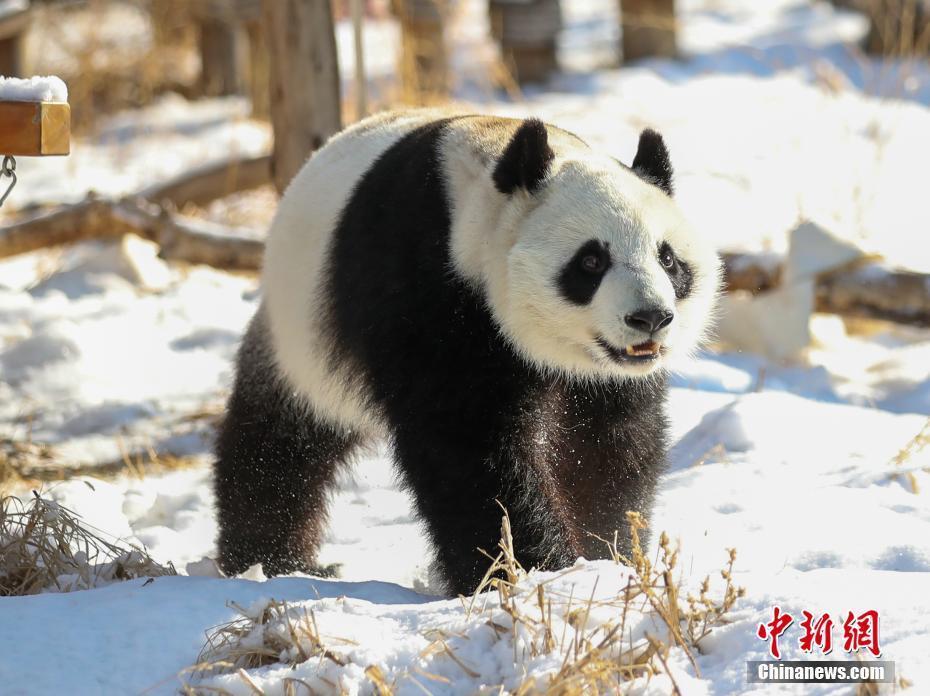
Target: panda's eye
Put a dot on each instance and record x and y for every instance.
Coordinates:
(581, 276)
(593, 263)
(667, 257)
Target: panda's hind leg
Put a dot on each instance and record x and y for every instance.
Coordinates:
(275, 466)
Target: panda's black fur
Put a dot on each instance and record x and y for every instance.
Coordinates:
(274, 467)
(473, 426)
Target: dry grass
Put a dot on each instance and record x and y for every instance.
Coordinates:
(595, 656)
(600, 661)
(108, 55)
(18, 454)
(252, 209)
(47, 547)
(424, 55)
(140, 463)
(272, 635)
(13, 455)
(24, 463)
(900, 28)
(913, 446)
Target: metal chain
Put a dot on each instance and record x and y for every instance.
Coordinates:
(8, 168)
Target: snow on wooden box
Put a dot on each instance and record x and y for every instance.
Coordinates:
(35, 118)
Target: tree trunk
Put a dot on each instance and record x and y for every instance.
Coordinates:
(648, 28)
(305, 90)
(11, 63)
(258, 68)
(527, 34)
(219, 58)
(13, 26)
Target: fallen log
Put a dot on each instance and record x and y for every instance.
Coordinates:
(874, 291)
(206, 184)
(185, 239)
(754, 273)
(89, 219)
(180, 238)
(191, 240)
(867, 289)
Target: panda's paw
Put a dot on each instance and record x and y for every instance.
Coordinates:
(330, 570)
(289, 565)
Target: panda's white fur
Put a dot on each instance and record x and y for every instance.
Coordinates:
(295, 254)
(510, 248)
(427, 279)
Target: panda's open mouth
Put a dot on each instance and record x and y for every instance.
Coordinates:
(640, 352)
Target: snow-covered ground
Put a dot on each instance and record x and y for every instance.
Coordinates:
(105, 349)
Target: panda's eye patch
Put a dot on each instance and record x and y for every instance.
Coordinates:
(593, 258)
(678, 271)
(581, 276)
(667, 257)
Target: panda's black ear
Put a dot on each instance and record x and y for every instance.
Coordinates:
(526, 159)
(652, 163)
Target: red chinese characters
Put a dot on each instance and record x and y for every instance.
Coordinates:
(861, 632)
(817, 633)
(774, 628)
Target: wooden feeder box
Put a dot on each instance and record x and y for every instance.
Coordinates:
(35, 129)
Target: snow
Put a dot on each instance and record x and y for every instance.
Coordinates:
(379, 634)
(811, 506)
(92, 342)
(35, 89)
(129, 637)
(771, 117)
(786, 435)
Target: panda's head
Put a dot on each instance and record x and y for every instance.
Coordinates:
(601, 275)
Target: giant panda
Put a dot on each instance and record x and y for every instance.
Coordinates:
(494, 298)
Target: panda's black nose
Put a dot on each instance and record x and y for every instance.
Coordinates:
(649, 320)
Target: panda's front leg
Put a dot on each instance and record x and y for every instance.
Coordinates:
(459, 479)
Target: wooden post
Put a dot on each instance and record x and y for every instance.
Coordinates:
(258, 68)
(233, 51)
(305, 90)
(11, 64)
(14, 21)
(361, 84)
(527, 34)
(219, 57)
(648, 28)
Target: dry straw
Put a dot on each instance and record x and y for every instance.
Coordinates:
(594, 656)
(915, 445)
(45, 546)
